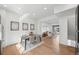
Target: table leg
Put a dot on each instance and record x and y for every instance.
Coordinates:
(0, 47)
(25, 43)
(21, 40)
(40, 39)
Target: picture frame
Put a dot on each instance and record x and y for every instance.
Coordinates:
(32, 27)
(56, 28)
(24, 26)
(14, 26)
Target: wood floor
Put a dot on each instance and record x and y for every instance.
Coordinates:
(52, 47)
(49, 47)
(66, 50)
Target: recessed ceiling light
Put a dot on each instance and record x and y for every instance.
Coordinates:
(19, 8)
(45, 8)
(5, 5)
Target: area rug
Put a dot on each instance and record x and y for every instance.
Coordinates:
(30, 46)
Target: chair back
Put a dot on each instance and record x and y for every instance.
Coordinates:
(32, 38)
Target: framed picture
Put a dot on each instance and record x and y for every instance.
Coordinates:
(32, 26)
(14, 26)
(56, 28)
(24, 26)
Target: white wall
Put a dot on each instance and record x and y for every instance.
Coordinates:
(2, 13)
(67, 30)
(71, 30)
(40, 26)
(11, 37)
(63, 31)
(71, 27)
(47, 21)
(0, 32)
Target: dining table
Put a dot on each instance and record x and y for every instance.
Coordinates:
(27, 38)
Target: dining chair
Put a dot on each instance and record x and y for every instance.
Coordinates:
(32, 39)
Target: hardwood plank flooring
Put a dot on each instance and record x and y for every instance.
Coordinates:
(52, 47)
(66, 50)
(14, 49)
(49, 47)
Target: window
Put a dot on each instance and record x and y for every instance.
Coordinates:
(45, 28)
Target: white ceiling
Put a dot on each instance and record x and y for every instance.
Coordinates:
(54, 19)
(68, 12)
(34, 11)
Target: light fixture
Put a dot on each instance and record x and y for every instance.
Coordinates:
(5, 5)
(45, 8)
(19, 8)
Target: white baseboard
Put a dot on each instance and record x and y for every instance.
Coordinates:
(69, 43)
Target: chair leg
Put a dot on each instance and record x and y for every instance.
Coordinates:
(21, 40)
(25, 44)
